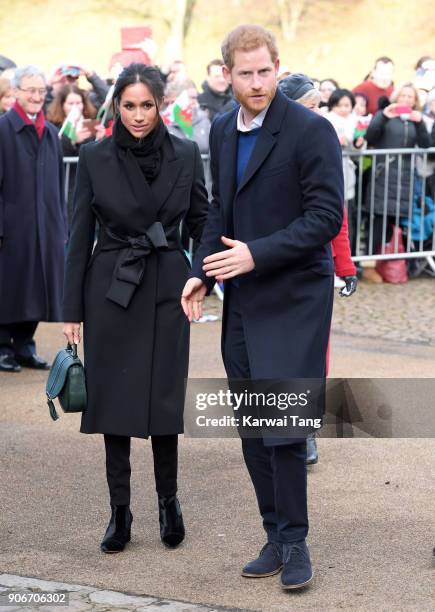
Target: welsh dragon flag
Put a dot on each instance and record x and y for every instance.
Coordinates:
(69, 125)
(180, 112)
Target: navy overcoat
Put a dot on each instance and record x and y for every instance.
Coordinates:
(287, 208)
(32, 222)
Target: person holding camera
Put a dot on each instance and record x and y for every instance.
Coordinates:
(69, 75)
(139, 184)
(399, 125)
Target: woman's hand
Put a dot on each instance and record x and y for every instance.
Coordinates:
(390, 111)
(193, 297)
(72, 332)
(100, 131)
(343, 141)
(416, 116)
(82, 135)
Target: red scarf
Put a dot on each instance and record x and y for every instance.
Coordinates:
(39, 122)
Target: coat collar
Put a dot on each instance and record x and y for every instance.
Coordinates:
(29, 138)
(166, 180)
(156, 194)
(17, 122)
(266, 141)
(21, 119)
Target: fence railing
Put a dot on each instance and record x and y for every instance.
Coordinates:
(393, 187)
(384, 187)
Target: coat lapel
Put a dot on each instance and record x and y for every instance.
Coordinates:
(139, 187)
(264, 145)
(266, 137)
(28, 140)
(170, 169)
(228, 164)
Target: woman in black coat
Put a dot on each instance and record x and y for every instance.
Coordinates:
(139, 185)
(390, 128)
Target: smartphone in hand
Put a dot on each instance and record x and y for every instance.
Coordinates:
(402, 109)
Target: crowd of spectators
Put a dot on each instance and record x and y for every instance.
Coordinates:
(45, 120)
(377, 113)
(348, 108)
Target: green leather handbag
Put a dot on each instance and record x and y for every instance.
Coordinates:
(67, 382)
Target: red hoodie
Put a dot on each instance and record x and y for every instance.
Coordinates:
(343, 263)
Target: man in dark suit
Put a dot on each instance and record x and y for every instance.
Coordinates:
(277, 203)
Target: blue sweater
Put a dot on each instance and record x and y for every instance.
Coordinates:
(245, 147)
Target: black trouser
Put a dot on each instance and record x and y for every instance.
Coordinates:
(378, 225)
(118, 470)
(16, 339)
(278, 473)
(352, 218)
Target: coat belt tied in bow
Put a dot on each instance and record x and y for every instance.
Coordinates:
(131, 264)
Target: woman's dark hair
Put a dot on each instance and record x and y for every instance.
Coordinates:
(337, 95)
(333, 81)
(421, 61)
(139, 73)
(55, 112)
(360, 94)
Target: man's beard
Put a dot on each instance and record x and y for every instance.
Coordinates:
(246, 101)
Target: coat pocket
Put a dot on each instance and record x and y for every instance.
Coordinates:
(282, 168)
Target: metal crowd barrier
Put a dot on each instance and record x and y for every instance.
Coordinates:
(374, 166)
(371, 166)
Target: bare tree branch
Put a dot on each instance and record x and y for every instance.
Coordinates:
(190, 7)
(290, 13)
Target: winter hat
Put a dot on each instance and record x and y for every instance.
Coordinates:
(296, 85)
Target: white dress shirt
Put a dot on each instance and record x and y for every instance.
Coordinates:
(257, 121)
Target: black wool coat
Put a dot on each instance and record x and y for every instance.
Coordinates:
(385, 133)
(33, 225)
(127, 291)
(287, 208)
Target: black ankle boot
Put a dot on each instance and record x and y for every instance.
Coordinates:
(171, 521)
(118, 531)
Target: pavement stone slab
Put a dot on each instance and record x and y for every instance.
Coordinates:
(119, 599)
(86, 599)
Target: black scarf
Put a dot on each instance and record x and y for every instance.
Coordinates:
(147, 151)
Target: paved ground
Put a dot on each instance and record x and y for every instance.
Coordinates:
(32, 593)
(371, 501)
(404, 313)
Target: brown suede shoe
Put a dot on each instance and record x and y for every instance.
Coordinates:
(370, 275)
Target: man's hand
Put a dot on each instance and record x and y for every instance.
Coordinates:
(72, 332)
(192, 298)
(232, 262)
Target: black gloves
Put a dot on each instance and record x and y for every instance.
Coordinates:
(350, 287)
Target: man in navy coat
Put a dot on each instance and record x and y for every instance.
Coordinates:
(277, 203)
(32, 223)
